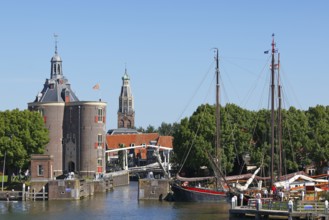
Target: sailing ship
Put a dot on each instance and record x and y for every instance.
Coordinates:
(182, 187)
(185, 191)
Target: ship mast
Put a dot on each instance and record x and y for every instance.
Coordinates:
(217, 150)
(272, 109)
(279, 120)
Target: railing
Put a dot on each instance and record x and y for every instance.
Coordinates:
(32, 194)
(316, 207)
(265, 202)
(312, 206)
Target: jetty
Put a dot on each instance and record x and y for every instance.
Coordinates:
(266, 208)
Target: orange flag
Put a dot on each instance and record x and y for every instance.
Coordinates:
(96, 87)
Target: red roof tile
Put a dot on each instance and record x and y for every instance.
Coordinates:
(114, 141)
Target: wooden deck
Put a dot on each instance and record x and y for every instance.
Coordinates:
(279, 210)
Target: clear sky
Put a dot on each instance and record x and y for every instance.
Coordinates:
(166, 47)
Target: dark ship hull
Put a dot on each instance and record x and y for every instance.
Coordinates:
(194, 194)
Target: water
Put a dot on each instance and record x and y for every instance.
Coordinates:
(121, 203)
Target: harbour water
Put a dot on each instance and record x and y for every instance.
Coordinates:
(121, 203)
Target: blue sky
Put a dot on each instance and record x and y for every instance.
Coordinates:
(167, 49)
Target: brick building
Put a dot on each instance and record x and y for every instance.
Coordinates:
(139, 156)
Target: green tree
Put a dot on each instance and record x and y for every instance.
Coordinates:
(189, 148)
(318, 147)
(141, 130)
(295, 142)
(150, 129)
(167, 129)
(198, 134)
(305, 139)
(236, 130)
(22, 133)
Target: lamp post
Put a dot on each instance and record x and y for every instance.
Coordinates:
(3, 170)
(4, 165)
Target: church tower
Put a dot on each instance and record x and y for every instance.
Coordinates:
(126, 113)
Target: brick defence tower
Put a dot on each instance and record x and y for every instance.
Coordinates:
(76, 128)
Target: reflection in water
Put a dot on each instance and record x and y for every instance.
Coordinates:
(121, 203)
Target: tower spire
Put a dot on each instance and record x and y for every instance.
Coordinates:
(56, 41)
(56, 63)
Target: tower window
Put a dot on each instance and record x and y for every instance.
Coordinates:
(41, 111)
(100, 162)
(100, 115)
(100, 140)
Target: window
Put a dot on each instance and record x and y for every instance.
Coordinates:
(100, 115)
(99, 162)
(40, 170)
(41, 111)
(100, 140)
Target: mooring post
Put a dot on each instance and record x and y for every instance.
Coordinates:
(326, 206)
(290, 206)
(303, 195)
(43, 193)
(281, 195)
(233, 202)
(28, 193)
(259, 204)
(23, 192)
(290, 209)
(241, 199)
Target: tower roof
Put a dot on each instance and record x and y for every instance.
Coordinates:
(56, 58)
(57, 88)
(125, 76)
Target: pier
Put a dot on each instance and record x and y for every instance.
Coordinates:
(266, 208)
